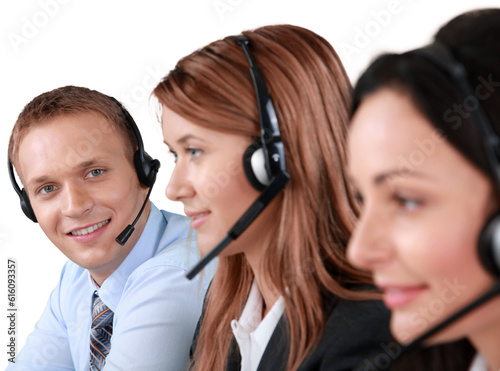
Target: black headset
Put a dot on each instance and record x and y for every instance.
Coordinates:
(145, 166)
(23, 196)
(489, 239)
(264, 159)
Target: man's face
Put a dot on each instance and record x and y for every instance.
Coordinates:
(83, 189)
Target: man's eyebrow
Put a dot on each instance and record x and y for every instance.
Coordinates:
(44, 178)
(88, 163)
(34, 182)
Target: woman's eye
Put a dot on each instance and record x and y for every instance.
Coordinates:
(95, 173)
(407, 203)
(174, 154)
(358, 197)
(46, 189)
(195, 153)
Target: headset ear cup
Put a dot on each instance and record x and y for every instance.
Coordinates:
(146, 168)
(26, 206)
(489, 245)
(255, 167)
(23, 196)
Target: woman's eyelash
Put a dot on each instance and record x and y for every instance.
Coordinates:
(407, 203)
(358, 197)
(173, 153)
(192, 152)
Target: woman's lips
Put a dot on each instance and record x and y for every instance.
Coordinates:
(396, 296)
(198, 218)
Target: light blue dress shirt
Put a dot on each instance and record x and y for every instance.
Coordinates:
(155, 307)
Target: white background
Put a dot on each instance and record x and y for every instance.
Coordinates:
(123, 48)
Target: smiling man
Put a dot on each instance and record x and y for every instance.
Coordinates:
(119, 305)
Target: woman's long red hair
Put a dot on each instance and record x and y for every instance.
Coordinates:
(305, 259)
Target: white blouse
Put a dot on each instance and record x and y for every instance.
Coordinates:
(252, 333)
(479, 363)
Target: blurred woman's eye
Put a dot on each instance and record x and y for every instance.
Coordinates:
(408, 204)
(358, 197)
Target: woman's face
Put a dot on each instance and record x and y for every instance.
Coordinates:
(423, 206)
(210, 181)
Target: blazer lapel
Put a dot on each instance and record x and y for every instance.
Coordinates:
(234, 357)
(275, 356)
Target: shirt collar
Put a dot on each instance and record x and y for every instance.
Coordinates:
(251, 325)
(479, 363)
(145, 248)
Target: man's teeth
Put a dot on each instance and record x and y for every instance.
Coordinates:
(90, 229)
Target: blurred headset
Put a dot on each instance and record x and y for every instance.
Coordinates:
(145, 166)
(489, 239)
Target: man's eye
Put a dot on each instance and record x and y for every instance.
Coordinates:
(94, 173)
(46, 189)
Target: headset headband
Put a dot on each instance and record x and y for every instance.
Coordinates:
(269, 129)
(441, 56)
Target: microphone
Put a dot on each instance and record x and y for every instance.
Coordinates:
(129, 229)
(491, 293)
(244, 222)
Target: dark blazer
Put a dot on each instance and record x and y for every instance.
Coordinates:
(355, 332)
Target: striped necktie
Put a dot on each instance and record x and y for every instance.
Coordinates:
(100, 333)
